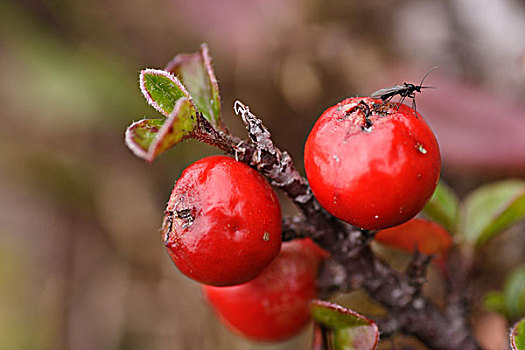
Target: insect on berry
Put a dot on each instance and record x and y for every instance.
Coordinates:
(406, 90)
(373, 166)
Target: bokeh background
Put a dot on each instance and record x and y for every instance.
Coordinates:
(82, 265)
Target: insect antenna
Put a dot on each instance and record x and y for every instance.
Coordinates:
(423, 87)
(426, 74)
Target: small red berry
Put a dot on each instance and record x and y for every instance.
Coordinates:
(372, 165)
(222, 223)
(275, 305)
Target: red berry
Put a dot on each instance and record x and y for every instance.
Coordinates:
(223, 222)
(275, 305)
(372, 177)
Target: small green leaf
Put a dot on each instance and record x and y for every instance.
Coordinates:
(148, 138)
(491, 209)
(141, 134)
(335, 316)
(443, 207)
(357, 338)
(348, 330)
(161, 89)
(517, 336)
(196, 73)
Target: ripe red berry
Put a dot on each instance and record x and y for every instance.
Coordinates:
(222, 223)
(374, 176)
(275, 305)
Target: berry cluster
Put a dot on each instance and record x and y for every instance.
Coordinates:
(370, 164)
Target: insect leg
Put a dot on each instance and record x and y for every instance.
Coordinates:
(414, 106)
(401, 101)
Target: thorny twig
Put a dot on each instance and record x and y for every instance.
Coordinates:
(353, 265)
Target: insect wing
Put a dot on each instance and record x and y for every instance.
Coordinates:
(388, 92)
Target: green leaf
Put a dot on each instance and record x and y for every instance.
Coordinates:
(148, 138)
(517, 336)
(196, 73)
(335, 316)
(356, 338)
(514, 292)
(495, 301)
(161, 89)
(443, 207)
(347, 329)
(491, 209)
(511, 301)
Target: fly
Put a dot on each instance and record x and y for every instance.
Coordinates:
(406, 90)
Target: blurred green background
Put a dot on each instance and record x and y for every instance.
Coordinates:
(82, 265)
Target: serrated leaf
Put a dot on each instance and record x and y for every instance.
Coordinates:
(517, 336)
(162, 90)
(196, 73)
(148, 138)
(443, 207)
(491, 209)
(348, 329)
